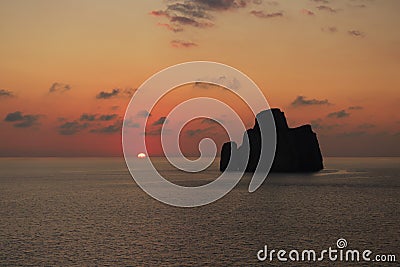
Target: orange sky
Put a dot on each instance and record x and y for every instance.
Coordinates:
(57, 56)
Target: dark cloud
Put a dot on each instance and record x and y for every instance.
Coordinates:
(302, 101)
(96, 117)
(72, 127)
(264, 15)
(356, 33)
(14, 116)
(339, 114)
(330, 29)
(355, 108)
(129, 123)
(307, 12)
(144, 114)
(198, 131)
(110, 129)
(22, 121)
(107, 95)
(107, 117)
(327, 8)
(87, 117)
(182, 44)
(160, 121)
(129, 91)
(6, 93)
(196, 13)
(59, 87)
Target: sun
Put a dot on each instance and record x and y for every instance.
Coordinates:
(141, 155)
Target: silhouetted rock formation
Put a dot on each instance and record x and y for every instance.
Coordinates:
(297, 149)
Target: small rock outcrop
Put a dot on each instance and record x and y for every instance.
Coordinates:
(297, 149)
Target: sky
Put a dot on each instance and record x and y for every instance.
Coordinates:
(68, 69)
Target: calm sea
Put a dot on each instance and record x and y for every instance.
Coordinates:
(89, 211)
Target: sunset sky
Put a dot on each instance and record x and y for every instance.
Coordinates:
(69, 68)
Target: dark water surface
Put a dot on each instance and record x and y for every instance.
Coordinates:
(89, 211)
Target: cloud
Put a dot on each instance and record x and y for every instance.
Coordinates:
(110, 129)
(356, 33)
(96, 117)
(160, 121)
(87, 117)
(355, 108)
(107, 117)
(72, 127)
(182, 44)
(327, 8)
(22, 121)
(263, 15)
(330, 29)
(211, 121)
(170, 27)
(107, 95)
(228, 83)
(144, 114)
(302, 101)
(6, 93)
(339, 114)
(59, 87)
(196, 13)
(129, 123)
(198, 131)
(307, 12)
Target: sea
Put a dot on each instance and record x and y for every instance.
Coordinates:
(90, 212)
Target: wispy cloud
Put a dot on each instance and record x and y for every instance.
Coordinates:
(356, 33)
(97, 117)
(330, 29)
(143, 114)
(265, 15)
(182, 44)
(302, 101)
(327, 8)
(109, 129)
(128, 92)
(72, 127)
(59, 87)
(355, 108)
(160, 121)
(307, 12)
(6, 93)
(339, 114)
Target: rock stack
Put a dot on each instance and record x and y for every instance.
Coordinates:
(297, 149)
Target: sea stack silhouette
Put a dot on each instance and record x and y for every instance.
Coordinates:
(297, 149)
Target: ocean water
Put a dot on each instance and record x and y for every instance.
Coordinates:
(89, 211)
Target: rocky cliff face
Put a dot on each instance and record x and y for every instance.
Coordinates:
(297, 149)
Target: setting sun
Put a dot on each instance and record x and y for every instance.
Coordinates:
(141, 155)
